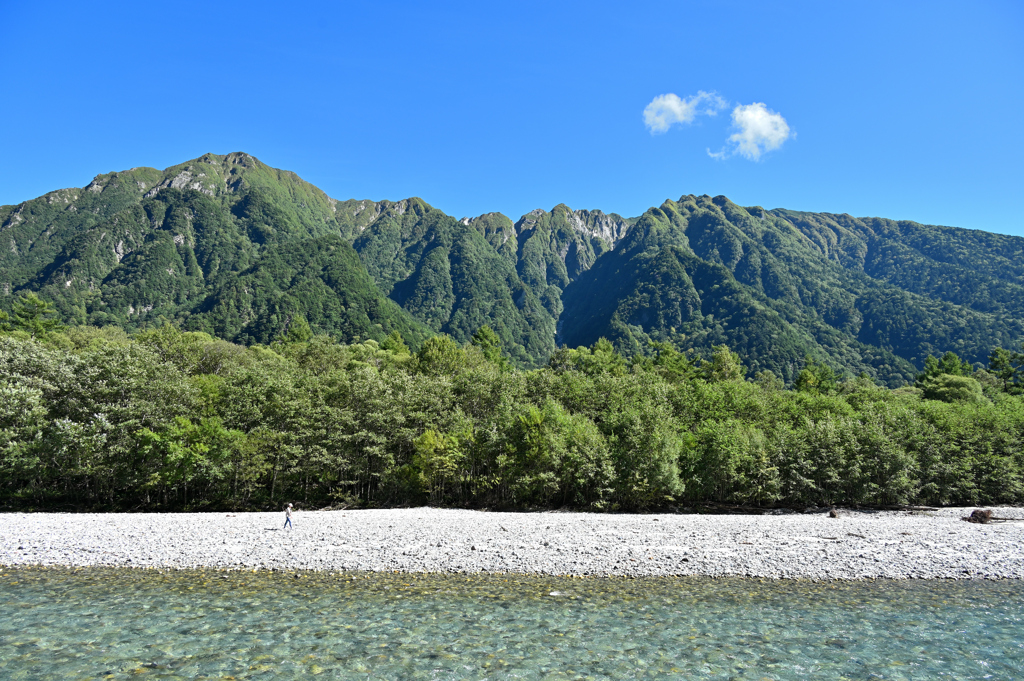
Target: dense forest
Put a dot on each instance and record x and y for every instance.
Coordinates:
(230, 247)
(165, 419)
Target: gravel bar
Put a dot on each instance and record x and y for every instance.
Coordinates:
(810, 545)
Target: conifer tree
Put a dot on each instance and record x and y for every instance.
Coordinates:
(815, 378)
(35, 316)
(395, 344)
(490, 345)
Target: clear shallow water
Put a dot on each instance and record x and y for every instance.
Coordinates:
(96, 623)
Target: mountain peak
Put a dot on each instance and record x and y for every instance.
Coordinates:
(488, 217)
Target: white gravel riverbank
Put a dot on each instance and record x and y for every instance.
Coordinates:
(857, 545)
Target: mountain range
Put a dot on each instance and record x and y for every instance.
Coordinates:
(230, 246)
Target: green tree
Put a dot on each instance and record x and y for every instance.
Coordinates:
(440, 459)
(189, 351)
(730, 461)
(950, 388)
(949, 364)
(23, 415)
(824, 464)
(35, 316)
(890, 471)
(490, 345)
(670, 364)
(768, 381)
(196, 454)
(297, 330)
(395, 344)
(440, 356)
(725, 365)
(816, 378)
(597, 360)
(556, 457)
(1008, 367)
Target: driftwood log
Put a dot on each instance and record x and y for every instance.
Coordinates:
(984, 515)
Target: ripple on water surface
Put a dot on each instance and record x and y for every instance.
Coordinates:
(97, 622)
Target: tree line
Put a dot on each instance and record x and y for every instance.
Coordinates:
(95, 418)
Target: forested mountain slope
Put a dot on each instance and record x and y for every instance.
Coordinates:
(445, 273)
(228, 245)
(222, 243)
(789, 284)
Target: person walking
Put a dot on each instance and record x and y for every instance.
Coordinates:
(287, 517)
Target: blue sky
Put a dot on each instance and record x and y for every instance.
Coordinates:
(903, 110)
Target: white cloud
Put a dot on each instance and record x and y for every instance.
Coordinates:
(758, 130)
(666, 110)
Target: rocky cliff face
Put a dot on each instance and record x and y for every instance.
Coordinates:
(595, 224)
(576, 238)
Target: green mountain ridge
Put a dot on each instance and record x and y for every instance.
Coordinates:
(783, 276)
(210, 244)
(229, 245)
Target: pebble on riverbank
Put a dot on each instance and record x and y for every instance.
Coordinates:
(854, 545)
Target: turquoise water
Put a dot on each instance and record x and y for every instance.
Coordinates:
(109, 623)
